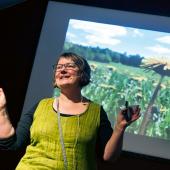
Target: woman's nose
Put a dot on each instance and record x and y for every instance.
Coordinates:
(63, 70)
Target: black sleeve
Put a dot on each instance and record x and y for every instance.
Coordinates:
(21, 138)
(105, 131)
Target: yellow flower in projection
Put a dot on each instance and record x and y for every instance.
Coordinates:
(139, 94)
(163, 109)
(111, 68)
(160, 65)
(163, 86)
(93, 66)
(139, 78)
(106, 86)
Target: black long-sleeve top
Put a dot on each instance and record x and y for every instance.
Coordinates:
(21, 138)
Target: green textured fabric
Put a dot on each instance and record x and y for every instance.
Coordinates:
(79, 133)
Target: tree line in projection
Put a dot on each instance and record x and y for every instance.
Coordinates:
(104, 55)
(117, 77)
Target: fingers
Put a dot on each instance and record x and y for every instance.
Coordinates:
(136, 115)
(2, 99)
(131, 113)
(1, 89)
(1, 92)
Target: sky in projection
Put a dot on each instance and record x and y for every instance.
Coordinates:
(119, 38)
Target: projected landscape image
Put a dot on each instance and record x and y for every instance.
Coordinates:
(127, 64)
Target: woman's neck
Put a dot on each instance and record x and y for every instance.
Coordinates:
(70, 96)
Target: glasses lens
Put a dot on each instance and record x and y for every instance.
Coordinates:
(68, 66)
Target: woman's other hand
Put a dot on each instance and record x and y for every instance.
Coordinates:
(127, 115)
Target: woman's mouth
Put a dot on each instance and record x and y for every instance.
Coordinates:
(64, 77)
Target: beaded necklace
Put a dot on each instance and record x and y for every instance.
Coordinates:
(62, 138)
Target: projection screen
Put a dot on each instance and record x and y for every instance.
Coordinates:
(129, 54)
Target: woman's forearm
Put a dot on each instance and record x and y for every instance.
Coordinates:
(6, 128)
(114, 145)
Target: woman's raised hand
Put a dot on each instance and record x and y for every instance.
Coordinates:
(122, 121)
(2, 100)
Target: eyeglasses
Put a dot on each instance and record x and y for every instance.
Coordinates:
(68, 66)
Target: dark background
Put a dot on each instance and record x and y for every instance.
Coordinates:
(20, 27)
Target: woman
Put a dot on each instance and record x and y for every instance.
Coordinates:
(67, 132)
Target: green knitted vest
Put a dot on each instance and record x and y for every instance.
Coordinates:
(79, 133)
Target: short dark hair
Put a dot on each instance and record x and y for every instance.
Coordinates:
(82, 64)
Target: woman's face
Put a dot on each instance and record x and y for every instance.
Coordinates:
(66, 73)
